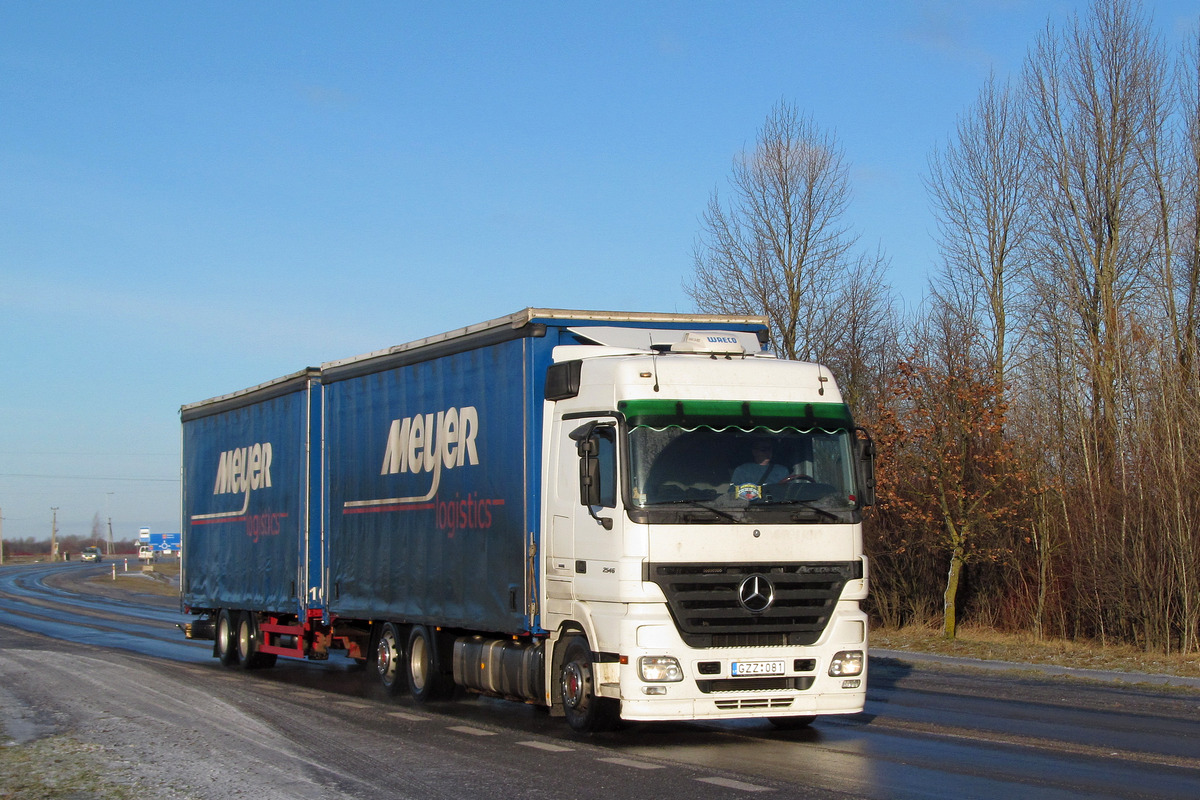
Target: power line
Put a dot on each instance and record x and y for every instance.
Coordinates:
(26, 453)
(93, 477)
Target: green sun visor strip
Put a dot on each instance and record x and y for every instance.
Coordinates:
(746, 414)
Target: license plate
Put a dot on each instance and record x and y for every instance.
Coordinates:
(747, 668)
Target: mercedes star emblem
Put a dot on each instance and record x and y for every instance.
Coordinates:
(756, 594)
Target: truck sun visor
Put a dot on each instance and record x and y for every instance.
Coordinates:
(679, 341)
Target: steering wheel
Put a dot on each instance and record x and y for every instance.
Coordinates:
(793, 478)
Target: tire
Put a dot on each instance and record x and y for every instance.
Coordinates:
(426, 683)
(791, 723)
(225, 646)
(586, 712)
(389, 663)
(248, 640)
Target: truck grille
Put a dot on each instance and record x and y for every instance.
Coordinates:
(754, 703)
(798, 684)
(705, 603)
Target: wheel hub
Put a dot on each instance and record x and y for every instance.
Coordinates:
(383, 657)
(573, 685)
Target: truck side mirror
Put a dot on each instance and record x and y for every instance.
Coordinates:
(591, 480)
(865, 466)
(589, 472)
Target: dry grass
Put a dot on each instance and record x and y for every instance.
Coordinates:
(161, 579)
(988, 644)
(60, 767)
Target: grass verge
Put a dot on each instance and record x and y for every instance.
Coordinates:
(57, 767)
(1023, 648)
(161, 579)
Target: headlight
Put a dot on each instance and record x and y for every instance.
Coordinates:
(846, 663)
(660, 669)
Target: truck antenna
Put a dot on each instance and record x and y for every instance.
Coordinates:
(653, 360)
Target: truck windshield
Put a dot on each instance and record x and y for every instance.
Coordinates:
(698, 462)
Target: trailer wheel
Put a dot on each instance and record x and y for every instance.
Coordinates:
(248, 640)
(425, 682)
(389, 660)
(586, 712)
(225, 646)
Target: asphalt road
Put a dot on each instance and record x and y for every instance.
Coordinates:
(111, 668)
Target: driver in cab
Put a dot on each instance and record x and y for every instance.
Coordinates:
(749, 478)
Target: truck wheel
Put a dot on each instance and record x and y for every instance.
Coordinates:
(225, 646)
(248, 641)
(586, 712)
(389, 660)
(425, 682)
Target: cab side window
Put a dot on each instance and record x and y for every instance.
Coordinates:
(606, 456)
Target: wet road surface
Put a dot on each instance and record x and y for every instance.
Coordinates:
(926, 732)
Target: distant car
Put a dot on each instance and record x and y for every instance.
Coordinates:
(90, 554)
(146, 552)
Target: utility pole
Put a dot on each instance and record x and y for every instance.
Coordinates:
(54, 533)
(1, 537)
(109, 510)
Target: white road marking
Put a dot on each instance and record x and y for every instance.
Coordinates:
(628, 762)
(472, 731)
(547, 746)
(409, 717)
(730, 784)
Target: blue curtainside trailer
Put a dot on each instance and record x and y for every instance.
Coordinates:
(440, 503)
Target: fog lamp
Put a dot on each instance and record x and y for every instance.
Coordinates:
(660, 669)
(846, 663)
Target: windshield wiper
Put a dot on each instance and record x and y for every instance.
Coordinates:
(694, 503)
(809, 505)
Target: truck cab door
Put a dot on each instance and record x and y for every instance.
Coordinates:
(560, 550)
(585, 500)
(597, 543)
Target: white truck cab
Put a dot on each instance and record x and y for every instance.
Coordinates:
(707, 584)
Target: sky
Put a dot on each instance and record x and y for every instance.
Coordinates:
(199, 197)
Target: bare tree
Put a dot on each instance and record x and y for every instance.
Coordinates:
(1185, 284)
(781, 247)
(1185, 279)
(1117, 215)
(979, 187)
(1090, 94)
(1167, 435)
(1069, 211)
(862, 336)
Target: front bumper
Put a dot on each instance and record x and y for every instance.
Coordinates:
(709, 690)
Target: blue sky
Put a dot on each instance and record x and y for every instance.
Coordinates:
(195, 198)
